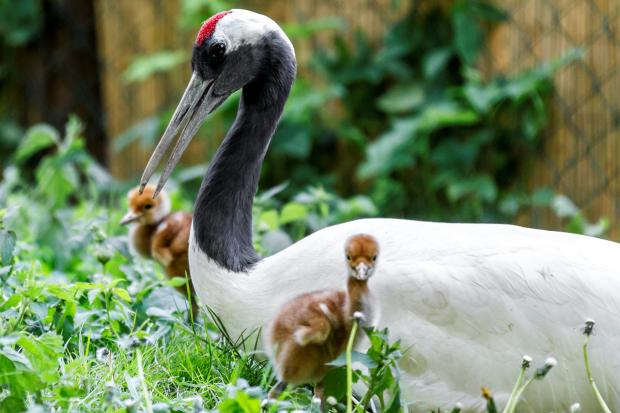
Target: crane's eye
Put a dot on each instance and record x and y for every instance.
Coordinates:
(148, 206)
(374, 258)
(217, 50)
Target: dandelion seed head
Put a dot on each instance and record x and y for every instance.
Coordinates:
(588, 327)
(551, 362)
(459, 406)
(526, 362)
(575, 408)
(358, 316)
(331, 400)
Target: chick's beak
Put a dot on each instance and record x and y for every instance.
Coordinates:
(130, 217)
(362, 271)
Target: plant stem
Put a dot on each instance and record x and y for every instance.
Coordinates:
(599, 397)
(519, 393)
(512, 401)
(349, 367)
(107, 310)
(363, 404)
(147, 397)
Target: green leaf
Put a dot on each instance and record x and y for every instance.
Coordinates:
(19, 22)
(468, 35)
(241, 403)
(175, 282)
(11, 302)
(335, 383)
(482, 97)
(389, 151)
(37, 138)
(543, 197)
(446, 113)
(356, 357)
(7, 246)
(57, 179)
(145, 66)
(488, 11)
(564, 207)
(124, 295)
(43, 352)
(435, 62)
(395, 404)
(482, 186)
(269, 220)
(402, 99)
(293, 211)
(598, 229)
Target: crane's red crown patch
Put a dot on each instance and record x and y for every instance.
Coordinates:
(208, 27)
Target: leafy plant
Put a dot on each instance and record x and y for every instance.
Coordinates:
(576, 221)
(67, 277)
(436, 140)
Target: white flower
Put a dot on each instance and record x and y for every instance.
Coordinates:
(526, 362)
(551, 362)
(575, 408)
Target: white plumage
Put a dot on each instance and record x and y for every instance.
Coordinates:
(467, 301)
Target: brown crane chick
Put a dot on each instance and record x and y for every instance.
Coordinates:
(313, 329)
(157, 233)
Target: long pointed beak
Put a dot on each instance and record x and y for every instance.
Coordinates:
(129, 218)
(197, 102)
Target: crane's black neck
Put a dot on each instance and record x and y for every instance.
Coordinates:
(223, 209)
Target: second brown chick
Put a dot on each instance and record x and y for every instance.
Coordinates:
(313, 329)
(157, 233)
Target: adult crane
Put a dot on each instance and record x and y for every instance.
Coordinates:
(467, 300)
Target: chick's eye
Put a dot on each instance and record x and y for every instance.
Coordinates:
(217, 50)
(148, 206)
(349, 257)
(374, 258)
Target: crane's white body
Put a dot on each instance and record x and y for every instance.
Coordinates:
(467, 301)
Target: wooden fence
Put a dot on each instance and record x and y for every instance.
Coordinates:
(581, 156)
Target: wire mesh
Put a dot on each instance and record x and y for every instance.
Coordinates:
(581, 156)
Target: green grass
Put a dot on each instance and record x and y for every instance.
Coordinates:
(86, 326)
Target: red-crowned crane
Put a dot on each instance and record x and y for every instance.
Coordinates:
(467, 300)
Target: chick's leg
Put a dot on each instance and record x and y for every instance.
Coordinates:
(276, 390)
